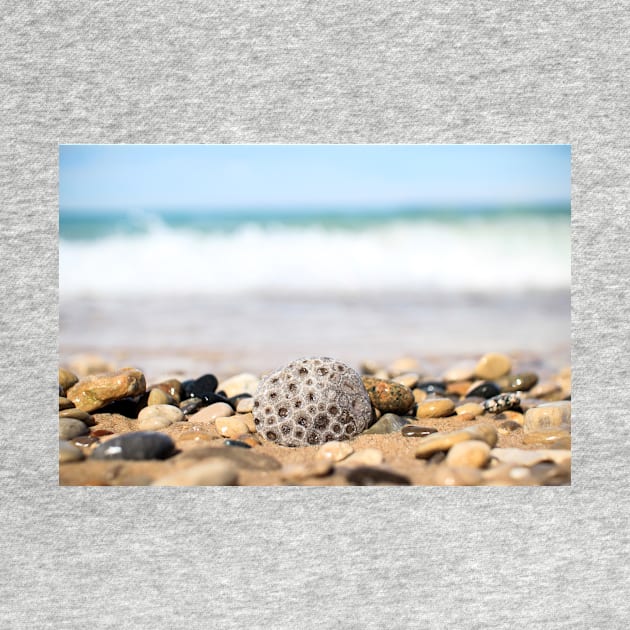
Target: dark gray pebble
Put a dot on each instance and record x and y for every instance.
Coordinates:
(237, 443)
(369, 476)
(522, 382)
(136, 446)
(388, 423)
(191, 405)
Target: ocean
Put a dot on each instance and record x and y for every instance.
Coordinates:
(189, 292)
(375, 251)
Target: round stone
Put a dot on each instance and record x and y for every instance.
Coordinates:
(71, 427)
(159, 397)
(240, 384)
(388, 396)
(212, 412)
(203, 387)
(78, 414)
(548, 416)
(230, 427)
(493, 365)
(245, 405)
(388, 423)
(483, 389)
(196, 436)
(473, 454)
(444, 441)
(310, 402)
(158, 417)
(408, 379)
(334, 451)
(172, 387)
(474, 408)
(66, 379)
(413, 430)
(436, 408)
(69, 453)
(500, 403)
(64, 403)
(141, 445)
(521, 382)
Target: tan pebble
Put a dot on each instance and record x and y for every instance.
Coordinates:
(196, 436)
(466, 417)
(79, 414)
(513, 416)
(522, 457)
(547, 416)
(471, 454)
(461, 476)
(542, 390)
(248, 419)
(298, 472)
(508, 426)
(334, 451)
(94, 392)
(507, 475)
(158, 417)
(159, 397)
(210, 413)
(493, 365)
(403, 365)
(245, 405)
(67, 379)
(547, 436)
(408, 380)
(419, 395)
(64, 403)
(364, 457)
(464, 371)
(215, 472)
(230, 427)
(436, 408)
(458, 387)
(240, 384)
(444, 441)
(69, 453)
(473, 408)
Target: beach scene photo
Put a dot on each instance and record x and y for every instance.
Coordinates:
(314, 315)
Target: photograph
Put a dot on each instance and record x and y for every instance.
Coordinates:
(314, 315)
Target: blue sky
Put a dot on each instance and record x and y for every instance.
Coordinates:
(121, 177)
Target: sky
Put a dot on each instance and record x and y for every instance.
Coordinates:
(129, 177)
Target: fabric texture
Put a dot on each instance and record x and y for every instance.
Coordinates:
(326, 72)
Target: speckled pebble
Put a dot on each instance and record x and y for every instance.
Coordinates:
(436, 408)
(388, 396)
(500, 403)
(334, 451)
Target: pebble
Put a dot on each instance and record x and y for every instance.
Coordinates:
(230, 427)
(483, 389)
(312, 401)
(409, 379)
(508, 475)
(419, 395)
(388, 396)
(547, 416)
(78, 414)
(196, 436)
(493, 365)
(543, 390)
(459, 388)
(403, 365)
(435, 408)
(472, 454)
(432, 387)
(64, 403)
(299, 472)
(522, 457)
(94, 392)
(547, 436)
(563, 442)
(245, 405)
(373, 476)
(71, 427)
(85, 440)
(334, 451)
(508, 426)
(236, 443)
(500, 403)
(216, 472)
(212, 412)
(243, 458)
(172, 387)
(69, 453)
(464, 371)
(203, 387)
(474, 408)
(159, 397)
(191, 405)
(444, 441)
(461, 476)
(364, 457)
(248, 419)
(158, 417)
(67, 379)
(521, 382)
(250, 438)
(515, 416)
(240, 384)
(139, 445)
(389, 423)
(413, 430)
(466, 417)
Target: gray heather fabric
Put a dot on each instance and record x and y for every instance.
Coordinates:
(346, 72)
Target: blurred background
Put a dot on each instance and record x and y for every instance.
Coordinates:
(187, 259)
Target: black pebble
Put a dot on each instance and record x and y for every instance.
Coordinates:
(136, 446)
(187, 389)
(432, 387)
(211, 398)
(236, 443)
(368, 476)
(234, 399)
(203, 386)
(128, 407)
(485, 390)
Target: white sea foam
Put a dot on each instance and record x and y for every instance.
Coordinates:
(520, 254)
